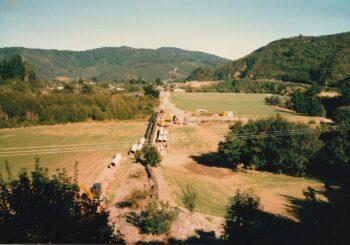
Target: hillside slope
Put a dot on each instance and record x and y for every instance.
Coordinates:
(115, 63)
(300, 59)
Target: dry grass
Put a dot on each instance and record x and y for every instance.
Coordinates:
(91, 161)
(215, 185)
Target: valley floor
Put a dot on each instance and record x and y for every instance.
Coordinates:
(189, 160)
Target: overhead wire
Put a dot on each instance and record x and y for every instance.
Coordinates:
(16, 151)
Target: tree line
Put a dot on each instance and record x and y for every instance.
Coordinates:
(279, 146)
(22, 109)
(309, 102)
(248, 86)
(16, 68)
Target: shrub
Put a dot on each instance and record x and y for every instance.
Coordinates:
(157, 217)
(274, 100)
(151, 155)
(189, 197)
(150, 91)
(136, 197)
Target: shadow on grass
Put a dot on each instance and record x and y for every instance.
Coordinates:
(271, 229)
(201, 237)
(212, 159)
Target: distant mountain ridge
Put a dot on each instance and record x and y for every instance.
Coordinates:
(110, 63)
(322, 59)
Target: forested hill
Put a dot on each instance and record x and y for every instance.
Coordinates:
(300, 59)
(114, 63)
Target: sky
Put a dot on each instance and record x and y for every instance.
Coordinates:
(227, 28)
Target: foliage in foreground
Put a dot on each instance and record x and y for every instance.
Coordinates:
(290, 154)
(189, 197)
(241, 221)
(157, 217)
(38, 208)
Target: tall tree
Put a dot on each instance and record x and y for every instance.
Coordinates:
(242, 223)
(17, 66)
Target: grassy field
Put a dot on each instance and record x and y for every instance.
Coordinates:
(214, 187)
(243, 104)
(194, 164)
(91, 144)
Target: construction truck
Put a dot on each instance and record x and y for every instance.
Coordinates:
(167, 118)
(161, 122)
(94, 192)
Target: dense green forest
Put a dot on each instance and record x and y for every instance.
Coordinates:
(121, 63)
(322, 60)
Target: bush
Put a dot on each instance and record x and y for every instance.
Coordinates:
(150, 91)
(157, 217)
(133, 200)
(151, 155)
(242, 224)
(274, 100)
(189, 197)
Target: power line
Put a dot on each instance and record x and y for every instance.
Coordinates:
(126, 145)
(53, 146)
(55, 152)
